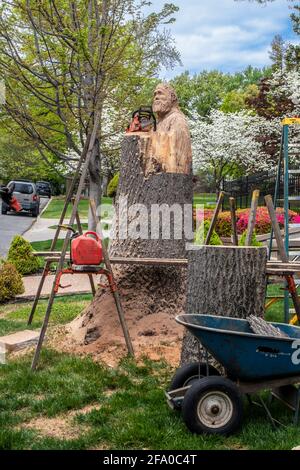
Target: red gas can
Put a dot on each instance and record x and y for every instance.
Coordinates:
(86, 250)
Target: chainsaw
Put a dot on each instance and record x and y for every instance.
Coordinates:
(143, 120)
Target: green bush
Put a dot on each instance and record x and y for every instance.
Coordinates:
(21, 256)
(254, 241)
(200, 236)
(113, 186)
(223, 225)
(11, 283)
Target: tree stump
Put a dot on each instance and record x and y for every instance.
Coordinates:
(140, 229)
(153, 219)
(226, 281)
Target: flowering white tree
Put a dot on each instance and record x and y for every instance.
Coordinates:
(223, 142)
(286, 86)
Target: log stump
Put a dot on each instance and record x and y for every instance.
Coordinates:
(226, 281)
(153, 219)
(144, 187)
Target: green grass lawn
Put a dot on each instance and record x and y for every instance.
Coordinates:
(55, 208)
(13, 317)
(206, 199)
(74, 403)
(46, 244)
(101, 408)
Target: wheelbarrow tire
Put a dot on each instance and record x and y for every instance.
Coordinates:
(213, 405)
(189, 373)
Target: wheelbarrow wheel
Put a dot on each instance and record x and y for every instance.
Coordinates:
(213, 405)
(189, 373)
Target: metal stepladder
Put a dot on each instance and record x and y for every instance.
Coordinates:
(80, 174)
(288, 173)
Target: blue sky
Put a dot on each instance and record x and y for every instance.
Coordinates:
(226, 35)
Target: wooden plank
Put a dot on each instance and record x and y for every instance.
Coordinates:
(266, 236)
(19, 340)
(252, 387)
(283, 255)
(214, 218)
(47, 254)
(180, 262)
(252, 217)
(280, 272)
(292, 243)
(235, 239)
(150, 261)
(55, 256)
(291, 266)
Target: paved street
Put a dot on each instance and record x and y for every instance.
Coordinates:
(15, 224)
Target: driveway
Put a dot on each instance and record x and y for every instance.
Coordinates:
(15, 224)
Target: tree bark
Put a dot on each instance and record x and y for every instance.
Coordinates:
(94, 182)
(142, 181)
(145, 290)
(226, 281)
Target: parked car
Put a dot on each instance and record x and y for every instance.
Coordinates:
(44, 188)
(26, 194)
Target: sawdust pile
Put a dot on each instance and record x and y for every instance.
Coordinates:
(151, 298)
(62, 426)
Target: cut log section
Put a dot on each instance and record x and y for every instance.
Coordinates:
(152, 210)
(154, 224)
(226, 281)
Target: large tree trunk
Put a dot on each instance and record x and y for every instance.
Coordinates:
(142, 182)
(151, 296)
(226, 281)
(94, 182)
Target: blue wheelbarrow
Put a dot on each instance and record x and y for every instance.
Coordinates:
(212, 403)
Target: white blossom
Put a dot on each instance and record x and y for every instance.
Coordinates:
(286, 84)
(224, 141)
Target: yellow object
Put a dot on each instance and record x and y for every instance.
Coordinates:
(294, 320)
(290, 121)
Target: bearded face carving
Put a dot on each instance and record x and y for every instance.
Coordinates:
(164, 100)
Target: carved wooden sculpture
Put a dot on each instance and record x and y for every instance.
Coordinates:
(156, 173)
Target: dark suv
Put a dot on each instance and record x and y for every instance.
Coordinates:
(44, 188)
(26, 194)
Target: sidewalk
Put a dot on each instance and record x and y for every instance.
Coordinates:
(40, 231)
(79, 283)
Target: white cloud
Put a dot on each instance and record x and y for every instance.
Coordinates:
(225, 34)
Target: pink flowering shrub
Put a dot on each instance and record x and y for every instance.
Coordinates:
(263, 223)
(296, 219)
